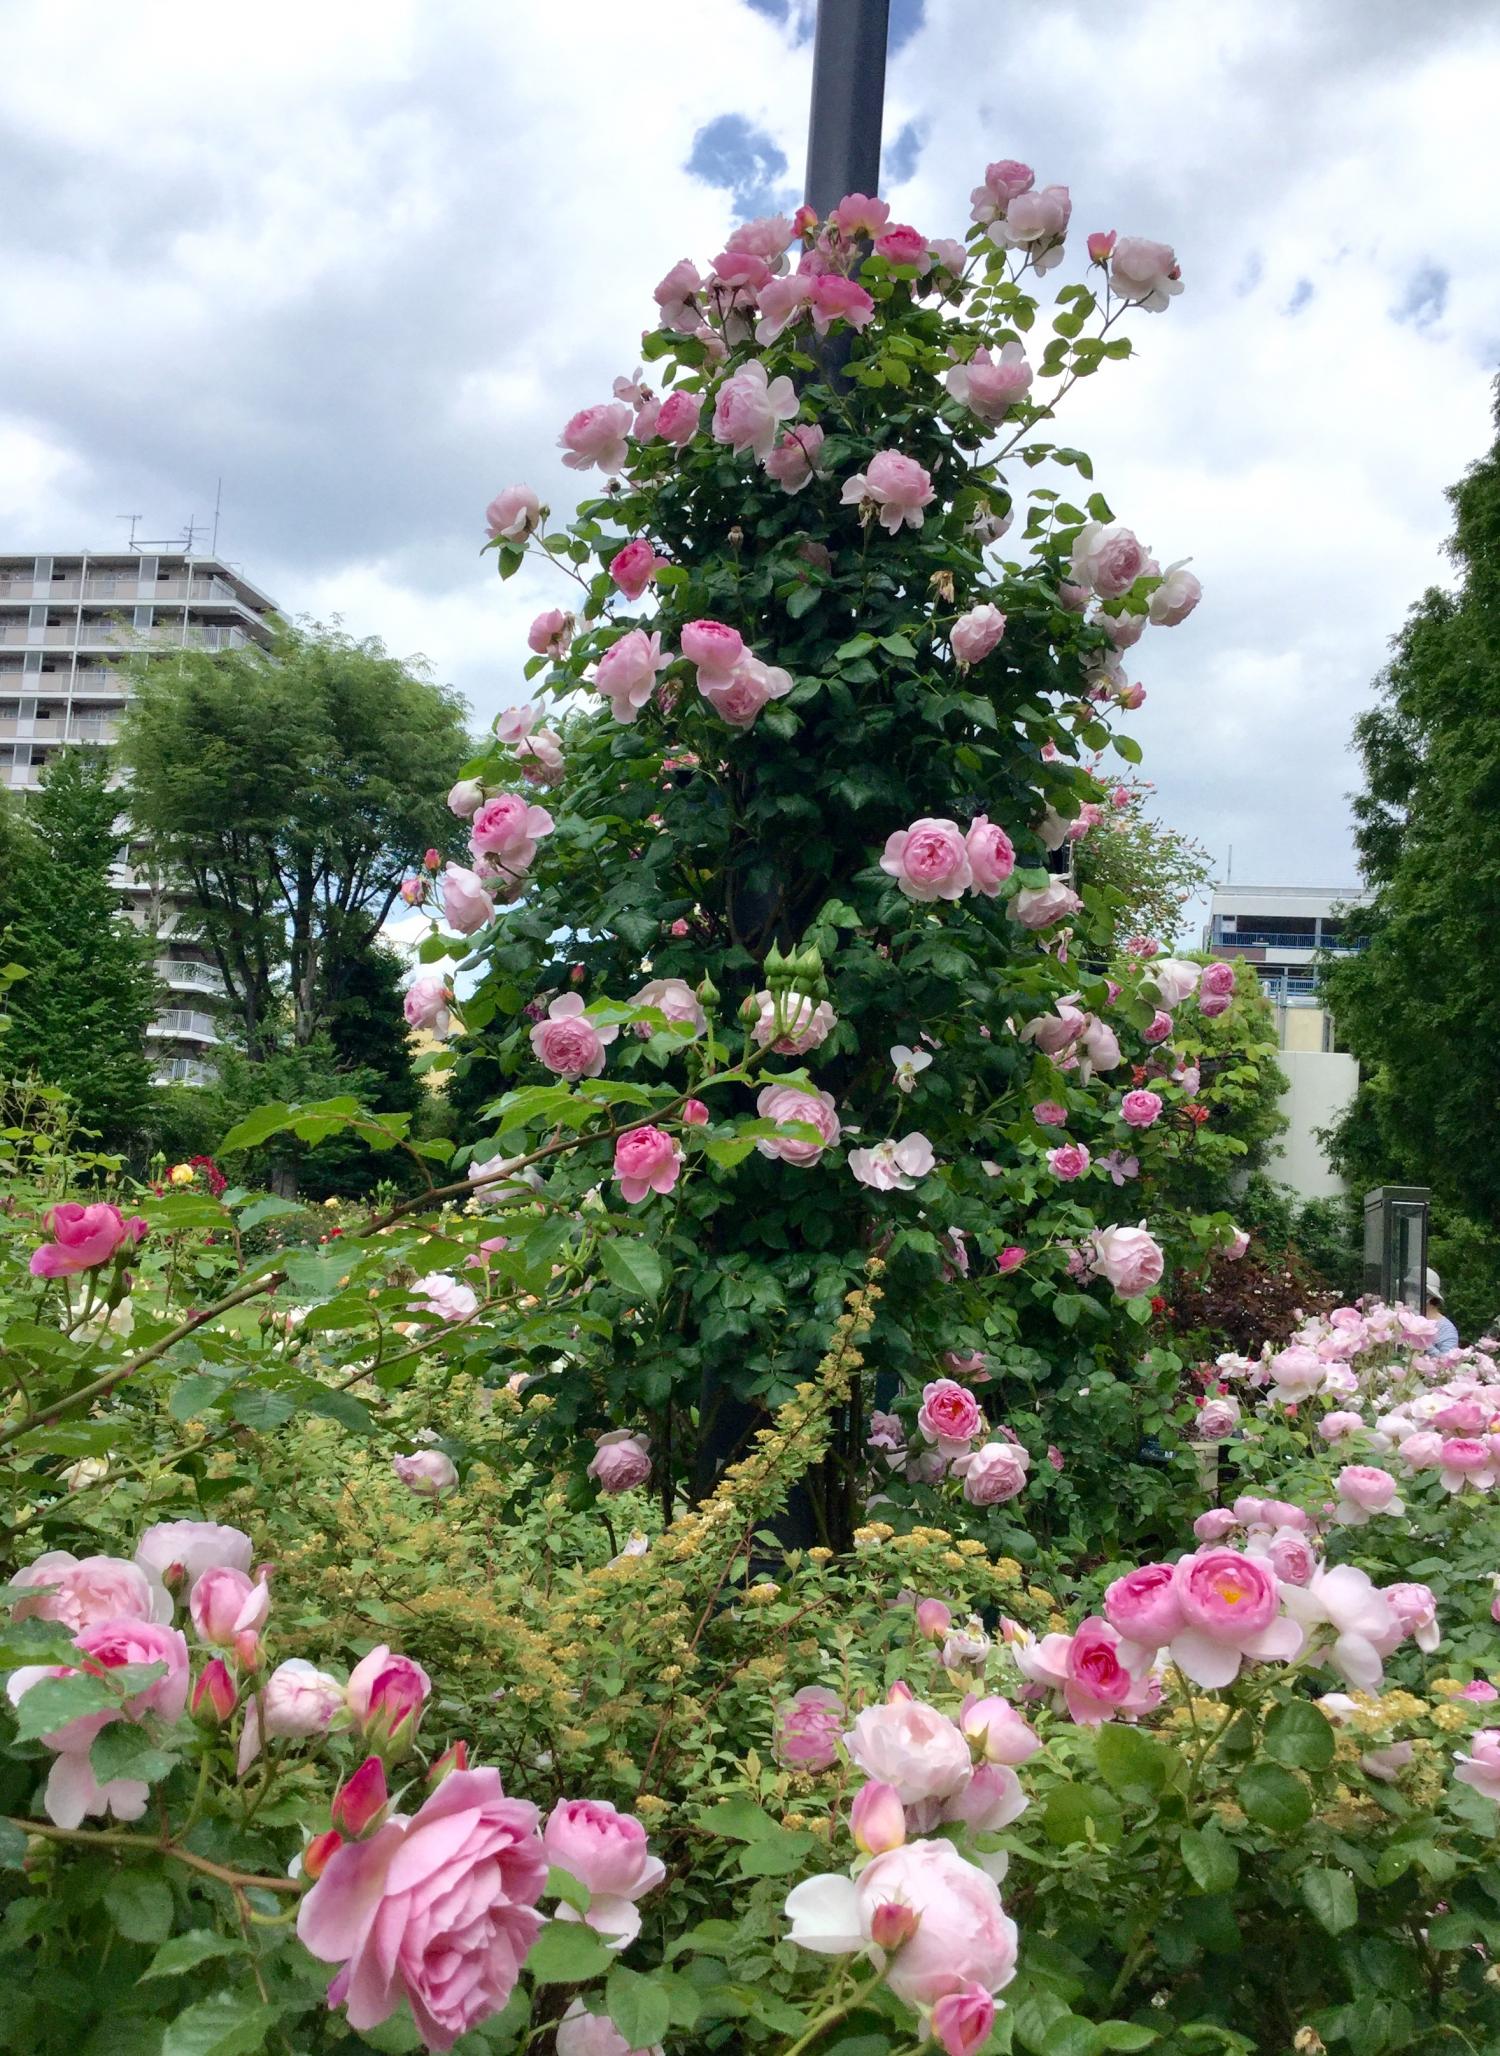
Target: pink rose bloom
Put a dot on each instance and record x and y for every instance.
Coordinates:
(1213, 1004)
(893, 1166)
(1056, 1032)
(816, 1110)
(1466, 1461)
(621, 1461)
(646, 1161)
(1100, 244)
(509, 826)
(568, 1043)
(950, 1415)
(179, 1552)
(990, 385)
(740, 697)
(443, 1297)
(1336, 1426)
(551, 633)
(741, 268)
(1238, 1242)
(992, 1474)
(804, 1024)
(1160, 1027)
(749, 409)
(1464, 1417)
(676, 297)
(1108, 559)
(715, 649)
(910, 1745)
(1140, 1109)
(1048, 1114)
(950, 254)
(581, 2033)
(1363, 1490)
(674, 998)
(596, 435)
(1291, 1556)
(794, 460)
(1217, 1420)
(808, 1729)
(512, 514)
(783, 302)
(1097, 1685)
(1010, 1258)
(83, 1238)
(1175, 980)
(975, 634)
(1145, 273)
(677, 422)
(768, 236)
(1049, 903)
(87, 1590)
(1479, 1692)
(1296, 1373)
(426, 1005)
(466, 798)
(633, 567)
(299, 1700)
(998, 1731)
(1143, 1606)
(835, 298)
(1415, 1608)
(1068, 1162)
(858, 215)
(1229, 1605)
(933, 1618)
(467, 907)
(1481, 1768)
(626, 674)
(962, 2020)
(387, 1690)
(929, 860)
(438, 1909)
(1214, 1525)
(902, 244)
(427, 1472)
(897, 486)
(1217, 978)
(607, 1852)
(224, 1603)
(512, 723)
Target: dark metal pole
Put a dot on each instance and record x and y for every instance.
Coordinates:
(848, 95)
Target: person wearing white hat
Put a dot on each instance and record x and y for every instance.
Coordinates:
(1447, 1335)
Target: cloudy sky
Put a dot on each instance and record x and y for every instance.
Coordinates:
(362, 260)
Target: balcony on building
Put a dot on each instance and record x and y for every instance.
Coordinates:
(183, 1024)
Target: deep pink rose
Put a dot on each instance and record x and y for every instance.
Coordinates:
(809, 1726)
(569, 1043)
(1010, 1258)
(715, 648)
(896, 486)
(596, 435)
(816, 1110)
(1096, 1683)
(1050, 1114)
(646, 1161)
(949, 1413)
(633, 567)
(1130, 1260)
(438, 1909)
(1291, 1556)
(72, 1789)
(962, 2020)
(626, 673)
(387, 1693)
(677, 423)
(1230, 1606)
(1140, 1109)
(225, 1604)
(1143, 1606)
(621, 1461)
(83, 1238)
(1068, 1162)
(929, 860)
(902, 244)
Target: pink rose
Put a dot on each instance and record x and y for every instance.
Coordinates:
(83, 1238)
(1175, 980)
(87, 1590)
(749, 409)
(1108, 559)
(1238, 1242)
(551, 633)
(998, 1731)
(676, 296)
(633, 567)
(816, 1110)
(1068, 1162)
(1466, 1461)
(512, 514)
(387, 1693)
(1229, 1604)
(1159, 1029)
(298, 1700)
(715, 649)
(1145, 273)
(438, 1910)
(1415, 1608)
(740, 697)
(962, 2020)
(896, 486)
(808, 1729)
(990, 385)
(621, 1461)
(1217, 978)
(646, 1161)
(72, 1789)
(427, 1472)
(1217, 1420)
(1338, 1425)
(1143, 1606)
(1481, 1768)
(832, 297)
(224, 1603)
(1129, 1259)
(607, 1852)
(677, 423)
(596, 435)
(467, 907)
(910, 1745)
(443, 1297)
(1140, 1109)
(794, 460)
(1291, 1556)
(509, 827)
(426, 1005)
(1364, 1489)
(1214, 1525)
(933, 1618)
(674, 998)
(1422, 1451)
(792, 1024)
(1100, 243)
(991, 855)
(950, 1934)
(975, 634)
(877, 1819)
(929, 860)
(768, 236)
(466, 798)
(1096, 1684)
(902, 244)
(179, 1552)
(783, 301)
(1010, 1258)
(581, 2033)
(857, 215)
(568, 1043)
(1049, 1114)
(1049, 903)
(626, 674)
(992, 1474)
(949, 1414)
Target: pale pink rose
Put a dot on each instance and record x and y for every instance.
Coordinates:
(794, 460)
(910, 1745)
(950, 254)
(443, 1297)
(607, 1852)
(1100, 1045)
(646, 1161)
(83, 1238)
(298, 1700)
(467, 907)
(633, 567)
(466, 798)
(677, 423)
(1145, 273)
(581, 2033)
(749, 409)
(1175, 980)
(715, 649)
(621, 1461)
(833, 297)
(1466, 1461)
(1140, 1109)
(933, 1618)
(783, 302)
(809, 1726)
(877, 1819)
(626, 674)
(179, 1552)
(512, 723)
(816, 1110)
(427, 1472)
(1143, 1607)
(541, 756)
(87, 1590)
(990, 385)
(993, 1473)
(975, 634)
(1290, 1555)
(1345, 1622)
(740, 697)
(1415, 1609)
(438, 1909)
(1214, 1525)
(676, 296)
(858, 215)
(1056, 1032)
(902, 244)
(596, 435)
(1229, 1606)
(1464, 1417)
(1297, 1372)
(1217, 1420)
(509, 826)
(1069, 1161)
(1363, 1490)
(768, 236)
(929, 860)
(1000, 1734)
(1337, 1426)
(551, 633)
(1422, 1451)
(1049, 903)
(792, 1024)
(1239, 1241)
(1129, 1259)
(1481, 1767)
(224, 1603)
(513, 514)
(674, 998)
(896, 486)
(1108, 559)
(568, 1043)
(1123, 630)
(893, 1166)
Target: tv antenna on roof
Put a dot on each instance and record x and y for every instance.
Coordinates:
(132, 519)
(213, 548)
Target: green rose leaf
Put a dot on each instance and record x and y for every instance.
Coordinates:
(1274, 1798)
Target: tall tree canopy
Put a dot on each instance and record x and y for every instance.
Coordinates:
(79, 1016)
(1421, 1004)
(291, 788)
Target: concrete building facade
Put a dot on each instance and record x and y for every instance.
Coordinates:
(69, 624)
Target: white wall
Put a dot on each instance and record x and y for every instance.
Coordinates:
(1320, 1085)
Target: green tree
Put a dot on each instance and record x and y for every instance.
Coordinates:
(1419, 1005)
(291, 788)
(1152, 872)
(78, 1018)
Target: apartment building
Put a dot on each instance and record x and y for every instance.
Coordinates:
(68, 625)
